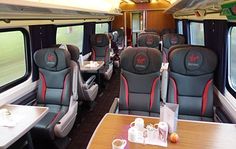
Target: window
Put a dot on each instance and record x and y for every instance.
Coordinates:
(71, 35)
(102, 28)
(232, 59)
(197, 33)
(13, 57)
(180, 27)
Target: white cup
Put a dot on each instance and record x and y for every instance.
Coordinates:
(138, 123)
(135, 136)
(119, 144)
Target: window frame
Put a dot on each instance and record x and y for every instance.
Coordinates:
(229, 86)
(102, 23)
(189, 32)
(27, 59)
(178, 27)
(68, 25)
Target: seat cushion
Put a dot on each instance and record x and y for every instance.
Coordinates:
(46, 126)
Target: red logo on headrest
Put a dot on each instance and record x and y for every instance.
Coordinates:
(51, 58)
(174, 40)
(149, 40)
(140, 60)
(193, 58)
(98, 39)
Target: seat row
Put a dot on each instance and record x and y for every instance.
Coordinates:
(190, 82)
(163, 43)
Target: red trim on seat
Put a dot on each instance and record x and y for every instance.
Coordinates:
(93, 54)
(126, 91)
(43, 93)
(55, 117)
(64, 85)
(175, 91)
(205, 96)
(153, 91)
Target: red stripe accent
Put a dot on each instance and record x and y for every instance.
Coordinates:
(205, 96)
(64, 85)
(43, 93)
(175, 91)
(55, 117)
(93, 54)
(153, 91)
(126, 91)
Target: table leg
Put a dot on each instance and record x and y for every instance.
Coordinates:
(30, 142)
(99, 78)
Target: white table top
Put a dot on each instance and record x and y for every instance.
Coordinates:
(88, 67)
(25, 118)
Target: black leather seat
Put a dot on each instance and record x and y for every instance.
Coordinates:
(87, 90)
(55, 91)
(169, 40)
(148, 39)
(101, 52)
(191, 81)
(140, 81)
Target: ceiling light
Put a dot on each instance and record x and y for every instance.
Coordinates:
(129, 1)
(154, 1)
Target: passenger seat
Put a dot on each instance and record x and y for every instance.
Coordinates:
(169, 40)
(140, 81)
(148, 39)
(55, 91)
(191, 81)
(87, 90)
(101, 52)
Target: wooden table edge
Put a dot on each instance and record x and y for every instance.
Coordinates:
(135, 116)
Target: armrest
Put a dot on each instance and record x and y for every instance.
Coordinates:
(90, 81)
(114, 106)
(86, 56)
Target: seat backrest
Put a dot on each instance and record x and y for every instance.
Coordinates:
(140, 81)
(100, 48)
(191, 80)
(150, 40)
(55, 77)
(169, 40)
(75, 54)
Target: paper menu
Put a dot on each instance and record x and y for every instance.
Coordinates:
(169, 114)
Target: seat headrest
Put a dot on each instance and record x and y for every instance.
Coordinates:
(99, 40)
(149, 40)
(74, 52)
(192, 60)
(172, 39)
(54, 59)
(141, 60)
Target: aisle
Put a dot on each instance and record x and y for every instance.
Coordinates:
(88, 120)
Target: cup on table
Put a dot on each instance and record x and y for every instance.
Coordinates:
(138, 123)
(162, 130)
(119, 144)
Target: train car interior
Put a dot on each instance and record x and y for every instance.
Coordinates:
(120, 74)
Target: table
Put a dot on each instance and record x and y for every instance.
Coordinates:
(92, 69)
(27, 117)
(193, 134)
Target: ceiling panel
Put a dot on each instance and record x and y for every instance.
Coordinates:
(141, 1)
